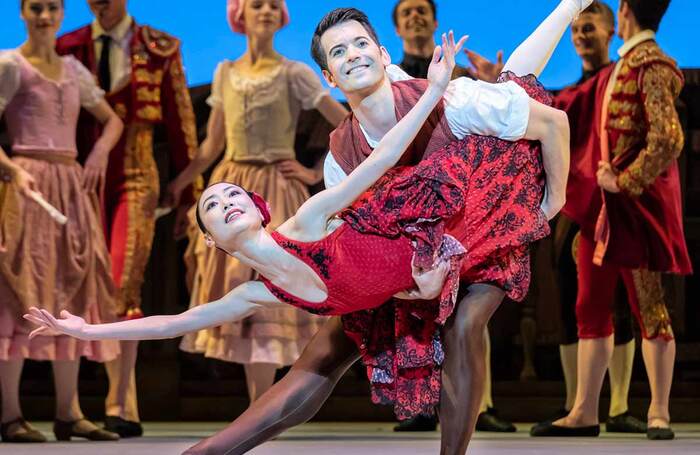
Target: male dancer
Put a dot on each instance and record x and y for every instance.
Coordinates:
(141, 70)
(359, 69)
(416, 23)
(629, 209)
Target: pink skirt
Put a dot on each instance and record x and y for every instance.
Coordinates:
(53, 267)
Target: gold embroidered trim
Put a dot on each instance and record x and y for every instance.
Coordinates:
(664, 138)
(141, 190)
(184, 106)
(144, 76)
(149, 95)
(159, 43)
(652, 306)
(151, 113)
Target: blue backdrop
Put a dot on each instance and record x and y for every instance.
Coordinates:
(492, 25)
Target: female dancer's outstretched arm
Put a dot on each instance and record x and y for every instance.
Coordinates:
(237, 304)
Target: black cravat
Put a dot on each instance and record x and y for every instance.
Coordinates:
(104, 74)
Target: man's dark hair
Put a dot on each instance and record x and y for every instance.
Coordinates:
(602, 9)
(432, 4)
(335, 17)
(648, 12)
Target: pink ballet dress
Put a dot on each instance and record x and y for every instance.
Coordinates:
(42, 263)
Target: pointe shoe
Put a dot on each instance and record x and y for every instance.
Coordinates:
(29, 434)
(64, 431)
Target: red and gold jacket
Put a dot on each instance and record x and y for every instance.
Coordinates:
(644, 220)
(157, 94)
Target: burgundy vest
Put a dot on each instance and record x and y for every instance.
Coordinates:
(350, 148)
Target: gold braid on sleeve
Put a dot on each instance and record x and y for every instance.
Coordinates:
(660, 87)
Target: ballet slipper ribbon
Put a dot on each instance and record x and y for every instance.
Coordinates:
(57, 216)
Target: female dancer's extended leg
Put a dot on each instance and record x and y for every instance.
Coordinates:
(291, 401)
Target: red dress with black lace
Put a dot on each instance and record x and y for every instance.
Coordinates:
(481, 191)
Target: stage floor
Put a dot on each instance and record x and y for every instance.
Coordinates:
(364, 439)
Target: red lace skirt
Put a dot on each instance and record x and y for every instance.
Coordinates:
(486, 193)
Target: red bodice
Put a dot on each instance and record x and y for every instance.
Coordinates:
(361, 271)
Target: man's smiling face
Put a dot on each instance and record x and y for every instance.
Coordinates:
(356, 63)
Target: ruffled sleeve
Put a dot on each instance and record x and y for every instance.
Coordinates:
(477, 107)
(9, 78)
(90, 93)
(216, 99)
(305, 85)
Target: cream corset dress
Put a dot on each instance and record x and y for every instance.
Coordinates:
(260, 113)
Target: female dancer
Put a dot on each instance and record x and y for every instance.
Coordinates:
(44, 263)
(315, 260)
(255, 101)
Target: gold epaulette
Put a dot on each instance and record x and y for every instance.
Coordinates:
(159, 43)
(647, 53)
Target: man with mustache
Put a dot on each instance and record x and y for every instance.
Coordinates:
(141, 70)
(416, 22)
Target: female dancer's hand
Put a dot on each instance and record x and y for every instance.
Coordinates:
(173, 193)
(50, 326)
(293, 169)
(24, 181)
(95, 170)
(443, 63)
(430, 282)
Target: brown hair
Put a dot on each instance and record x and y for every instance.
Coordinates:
(602, 9)
(431, 3)
(22, 2)
(335, 17)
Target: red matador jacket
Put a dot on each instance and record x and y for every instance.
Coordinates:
(644, 222)
(156, 94)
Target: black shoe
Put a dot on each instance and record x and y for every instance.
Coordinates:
(124, 428)
(29, 434)
(660, 434)
(490, 421)
(625, 423)
(64, 431)
(549, 429)
(418, 423)
(561, 413)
